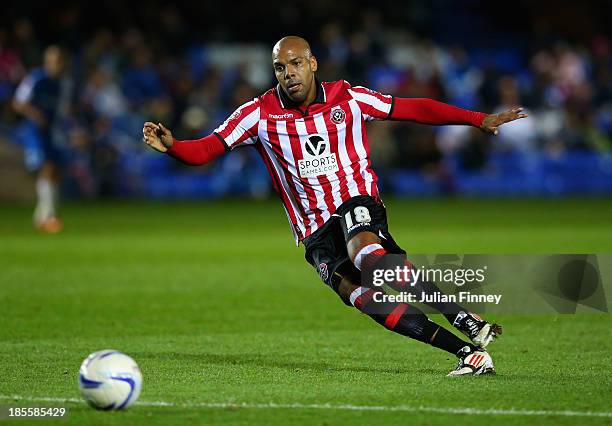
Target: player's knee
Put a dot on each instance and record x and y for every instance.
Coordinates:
(49, 171)
(359, 242)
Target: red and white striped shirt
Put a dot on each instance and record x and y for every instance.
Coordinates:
(319, 157)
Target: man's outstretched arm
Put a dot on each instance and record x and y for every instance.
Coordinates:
(193, 152)
(429, 111)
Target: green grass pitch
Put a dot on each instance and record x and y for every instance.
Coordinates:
(230, 326)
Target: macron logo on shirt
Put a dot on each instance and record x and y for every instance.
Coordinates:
(280, 116)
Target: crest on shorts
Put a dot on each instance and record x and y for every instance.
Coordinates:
(337, 115)
(323, 271)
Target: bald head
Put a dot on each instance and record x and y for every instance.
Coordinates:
(294, 67)
(295, 43)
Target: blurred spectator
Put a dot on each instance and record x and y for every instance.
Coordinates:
(522, 136)
(141, 83)
(27, 44)
(11, 68)
(103, 95)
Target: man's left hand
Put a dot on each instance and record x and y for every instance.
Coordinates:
(492, 121)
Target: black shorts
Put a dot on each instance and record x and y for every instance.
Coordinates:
(326, 248)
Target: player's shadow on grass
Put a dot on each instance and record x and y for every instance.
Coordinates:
(262, 361)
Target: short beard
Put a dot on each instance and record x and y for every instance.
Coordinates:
(301, 97)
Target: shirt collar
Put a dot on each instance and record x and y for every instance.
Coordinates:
(286, 102)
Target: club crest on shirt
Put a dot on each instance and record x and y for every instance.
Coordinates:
(318, 159)
(235, 115)
(337, 115)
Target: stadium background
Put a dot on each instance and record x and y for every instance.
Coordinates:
(227, 322)
(190, 64)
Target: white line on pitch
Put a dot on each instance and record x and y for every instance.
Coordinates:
(299, 406)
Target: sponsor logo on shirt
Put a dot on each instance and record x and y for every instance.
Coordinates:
(318, 159)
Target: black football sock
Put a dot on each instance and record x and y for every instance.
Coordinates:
(444, 339)
(406, 320)
(448, 309)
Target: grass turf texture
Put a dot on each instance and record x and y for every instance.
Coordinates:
(216, 305)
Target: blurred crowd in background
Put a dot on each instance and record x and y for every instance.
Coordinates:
(120, 75)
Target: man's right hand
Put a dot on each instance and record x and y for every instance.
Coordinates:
(157, 136)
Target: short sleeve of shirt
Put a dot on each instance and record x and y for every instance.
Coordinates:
(373, 105)
(241, 127)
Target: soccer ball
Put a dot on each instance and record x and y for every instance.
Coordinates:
(110, 380)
